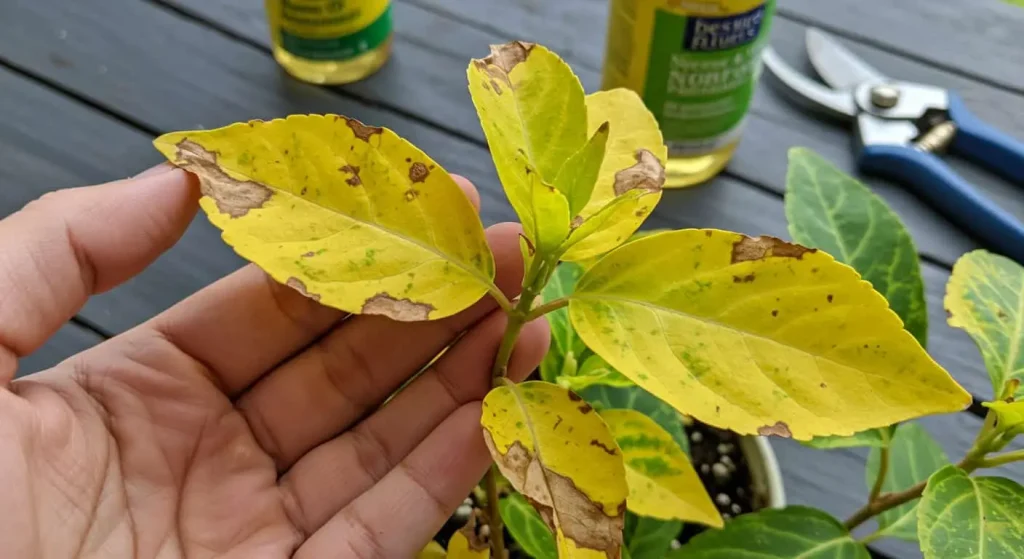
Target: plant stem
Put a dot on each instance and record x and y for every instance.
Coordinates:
(546, 308)
(883, 469)
(871, 537)
(1000, 459)
(497, 533)
(508, 343)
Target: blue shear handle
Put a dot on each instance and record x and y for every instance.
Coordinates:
(937, 184)
(984, 144)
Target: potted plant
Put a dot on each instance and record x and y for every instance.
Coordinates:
(820, 340)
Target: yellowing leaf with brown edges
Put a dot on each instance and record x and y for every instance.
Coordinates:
(348, 214)
(631, 177)
(467, 544)
(530, 106)
(757, 335)
(662, 482)
(557, 451)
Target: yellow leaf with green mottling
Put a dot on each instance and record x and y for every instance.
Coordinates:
(433, 550)
(467, 544)
(632, 173)
(757, 335)
(348, 214)
(533, 115)
(662, 482)
(985, 297)
(554, 449)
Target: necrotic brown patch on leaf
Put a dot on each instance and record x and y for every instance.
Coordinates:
(576, 222)
(780, 429)
(397, 309)
(233, 197)
(647, 174)
(585, 408)
(309, 254)
(297, 285)
(418, 172)
(353, 170)
(362, 131)
(506, 56)
(574, 396)
(599, 444)
(759, 248)
(580, 519)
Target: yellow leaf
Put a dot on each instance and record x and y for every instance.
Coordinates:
(577, 177)
(633, 163)
(467, 544)
(351, 215)
(1010, 415)
(433, 550)
(555, 450)
(550, 209)
(530, 105)
(662, 482)
(757, 335)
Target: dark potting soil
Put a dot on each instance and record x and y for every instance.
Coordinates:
(719, 462)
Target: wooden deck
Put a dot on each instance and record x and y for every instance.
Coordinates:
(85, 85)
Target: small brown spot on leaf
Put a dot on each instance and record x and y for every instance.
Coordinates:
(708, 233)
(823, 385)
(297, 285)
(233, 197)
(780, 429)
(411, 194)
(775, 312)
(353, 170)
(576, 221)
(303, 191)
(485, 86)
(599, 444)
(362, 131)
(397, 309)
(309, 254)
(1001, 314)
(418, 172)
(759, 248)
(574, 396)
(557, 423)
(508, 55)
(585, 408)
(647, 174)
(829, 298)
(743, 279)
(495, 86)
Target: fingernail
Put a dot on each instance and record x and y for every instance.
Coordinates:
(155, 170)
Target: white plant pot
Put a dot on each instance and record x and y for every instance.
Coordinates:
(764, 470)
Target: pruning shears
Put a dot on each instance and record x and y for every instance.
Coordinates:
(901, 126)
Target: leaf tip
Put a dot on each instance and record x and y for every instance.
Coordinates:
(507, 55)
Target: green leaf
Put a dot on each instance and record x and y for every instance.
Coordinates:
(985, 297)
(649, 538)
(757, 335)
(578, 176)
(566, 347)
(913, 457)
(871, 438)
(527, 527)
(789, 533)
(531, 106)
(550, 210)
(350, 215)
(604, 397)
(831, 211)
(980, 517)
(593, 371)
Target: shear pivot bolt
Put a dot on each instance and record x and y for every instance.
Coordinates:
(884, 96)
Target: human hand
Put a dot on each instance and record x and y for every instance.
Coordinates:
(246, 421)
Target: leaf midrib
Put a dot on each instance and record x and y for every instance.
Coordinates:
(473, 272)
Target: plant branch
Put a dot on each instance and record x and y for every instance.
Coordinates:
(497, 532)
(500, 297)
(544, 309)
(1000, 459)
(883, 469)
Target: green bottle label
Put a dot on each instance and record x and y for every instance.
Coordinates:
(334, 29)
(701, 75)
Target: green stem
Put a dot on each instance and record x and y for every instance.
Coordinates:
(497, 534)
(883, 469)
(871, 537)
(1000, 459)
(544, 309)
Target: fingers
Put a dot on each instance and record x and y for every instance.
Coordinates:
(245, 324)
(350, 371)
(72, 243)
(429, 414)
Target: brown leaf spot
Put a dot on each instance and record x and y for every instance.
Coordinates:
(647, 174)
(495, 86)
(398, 309)
(829, 297)
(576, 221)
(309, 254)
(297, 285)
(485, 86)
(353, 170)
(508, 55)
(418, 172)
(759, 248)
(823, 385)
(780, 429)
(585, 408)
(1001, 314)
(362, 131)
(574, 396)
(743, 279)
(579, 518)
(233, 197)
(775, 312)
(557, 423)
(303, 191)
(599, 444)
(411, 194)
